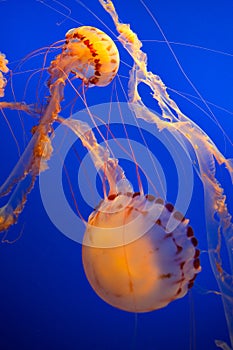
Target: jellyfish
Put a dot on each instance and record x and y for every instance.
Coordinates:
(90, 55)
(200, 147)
(148, 246)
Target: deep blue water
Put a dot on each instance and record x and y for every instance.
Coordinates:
(46, 301)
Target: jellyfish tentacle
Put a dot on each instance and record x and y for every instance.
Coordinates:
(100, 156)
(34, 159)
(19, 106)
(218, 218)
(91, 55)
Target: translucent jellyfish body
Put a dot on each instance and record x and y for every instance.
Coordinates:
(94, 55)
(132, 259)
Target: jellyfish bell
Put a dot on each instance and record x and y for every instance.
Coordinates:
(130, 257)
(92, 55)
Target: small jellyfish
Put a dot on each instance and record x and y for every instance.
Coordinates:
(98, 56)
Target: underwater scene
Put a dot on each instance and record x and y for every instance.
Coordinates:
(116, 184)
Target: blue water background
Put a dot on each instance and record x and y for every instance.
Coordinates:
(46, 301)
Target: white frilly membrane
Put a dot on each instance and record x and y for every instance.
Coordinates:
(3, 69)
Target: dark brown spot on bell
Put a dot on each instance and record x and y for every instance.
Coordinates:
(194, 241)
(86, 42)
(111, 197)
(113, 61)
(182, 265)
(94, 80)
(190, 285)
(165, 275)
(150, 197)
(169, 235)
(131, 286)
(178, 216)
(158, 222)
(97, 74)
(196, 263)
(189, 231)
(136, 194)
(169, 207)
(159, 201)
(179, 291)
(197, 253)
(96, 60)
(179, 249)
(97, 66)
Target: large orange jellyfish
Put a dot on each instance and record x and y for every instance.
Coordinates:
(218, 219)
(153, 259)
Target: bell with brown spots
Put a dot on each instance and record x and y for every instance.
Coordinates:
(131, 259)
